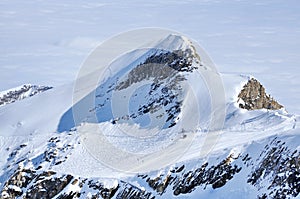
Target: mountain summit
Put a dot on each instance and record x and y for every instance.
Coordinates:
(146, 131)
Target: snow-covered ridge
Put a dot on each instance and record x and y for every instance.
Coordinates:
(262, 168)
(47, 156)
(163, 71)
(244, 164)
(21, 92)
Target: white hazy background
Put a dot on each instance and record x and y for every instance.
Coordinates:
(45, 42)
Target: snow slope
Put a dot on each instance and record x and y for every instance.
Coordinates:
(40, 135)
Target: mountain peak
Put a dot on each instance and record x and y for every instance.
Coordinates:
(253, 96)
(175, 42)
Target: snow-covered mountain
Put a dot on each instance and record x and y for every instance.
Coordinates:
(21, 92)
(148, 134)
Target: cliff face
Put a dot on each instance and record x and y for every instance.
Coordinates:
(253, 96)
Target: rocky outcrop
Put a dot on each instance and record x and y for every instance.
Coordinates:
(166, 71)
(183, 181)
(20, 93)
(27, 183)
(43, 185)
(132, 192)
(34, 177)
(253, 96)
(274, 173)
(278, 171)
(31, 183)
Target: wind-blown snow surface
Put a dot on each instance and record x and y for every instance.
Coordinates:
(35, 134)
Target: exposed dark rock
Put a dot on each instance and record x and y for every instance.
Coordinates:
(131, 192)
(178, 60)
(163, 69)
(183, 182)
(21, 93)
(48, 187)
(253, 96)
(159, 184)
(279, 168)
(44, 185)
(70, 195)
(102, 192)
(276, 174)
(216, 176)
(20, 179)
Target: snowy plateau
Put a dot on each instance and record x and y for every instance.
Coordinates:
(161, 122)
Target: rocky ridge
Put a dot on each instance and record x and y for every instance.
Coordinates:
(22, 92)
(275, 173)
(166, 70)
(253, 96)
